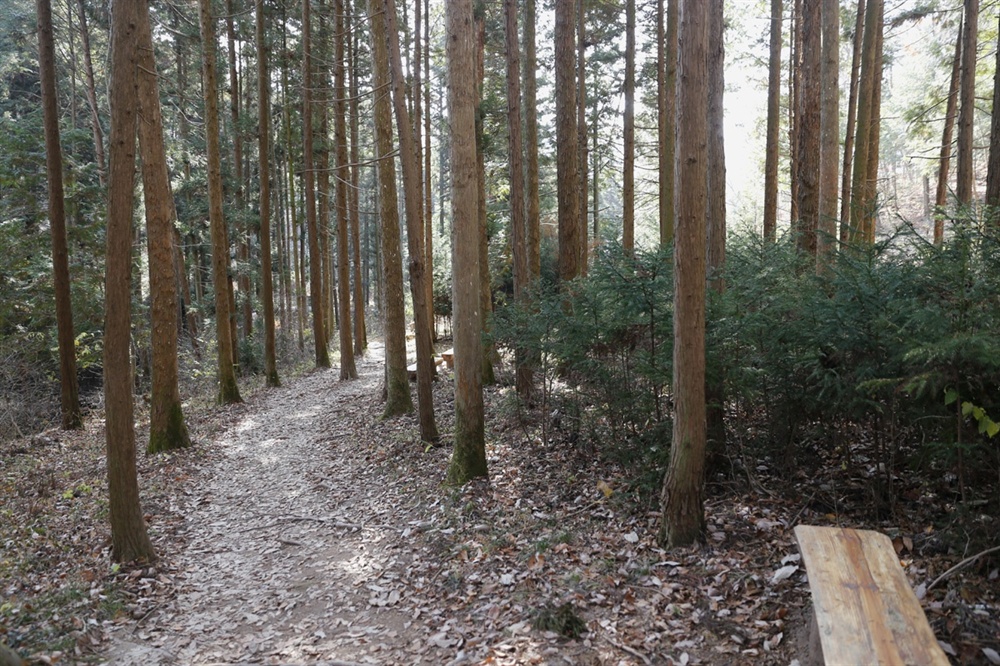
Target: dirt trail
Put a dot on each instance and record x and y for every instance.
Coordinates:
(281, 544)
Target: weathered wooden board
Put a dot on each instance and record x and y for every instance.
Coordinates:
(865, 610)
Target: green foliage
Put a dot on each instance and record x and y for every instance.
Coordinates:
(861, 354)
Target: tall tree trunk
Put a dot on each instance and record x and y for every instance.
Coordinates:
(290, 169)
(871, 220)
(861, 193)
(666, 104)
(826, 232)
(95, 116)
(515, 149)
(68, 388)
(993, 165)
(243, 235)
(485, 282)
(166, 419)
(348, 370)
(418, 269)
(228, 390)
(965, 176)
(468, 459)
(852, 114)
(628, 175)
(129, 540)
(428, 210)
(773, 127)
(808, 127)
(567, 155)
(264, 159)
(794, 83)
(398, 400)
(715, 389)
(683, 518)
(315, 259)
(532, 210)
(581, 128)
(360, 336)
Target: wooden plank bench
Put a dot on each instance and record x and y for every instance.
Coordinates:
(864, 611)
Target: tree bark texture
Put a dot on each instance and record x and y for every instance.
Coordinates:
(808, 127)
(829, 175)
(993, 165)
(666, 113)
(852, 114)
(166, 419)
(348, 369)
(628, 167)
(468, 459)
(414, 232)
(309, 187)
(964, 174)
(398, 400)
(567, 155)
(532, 210)
(773, 126)
(581, 129)
(683, 520)
(228, 389)
(862, 192)
(518, 226)
(68, 388)
(129, 540)
(264, 158)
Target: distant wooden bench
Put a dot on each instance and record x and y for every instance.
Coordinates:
(864, 609)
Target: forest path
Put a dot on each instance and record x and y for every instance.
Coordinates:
(282, 541)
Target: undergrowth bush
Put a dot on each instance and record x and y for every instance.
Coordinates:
(855, 363)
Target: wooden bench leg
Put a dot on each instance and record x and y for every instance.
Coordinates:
(815, 655)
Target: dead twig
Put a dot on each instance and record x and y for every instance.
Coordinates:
(962, 564)
(632, 651)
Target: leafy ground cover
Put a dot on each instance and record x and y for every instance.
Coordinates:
(303, 528)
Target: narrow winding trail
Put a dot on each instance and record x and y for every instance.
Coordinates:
(282, 542)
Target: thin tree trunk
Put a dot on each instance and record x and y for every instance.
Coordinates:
(861, 200)
(468, 459)
(485, 292)
(826, 232)
(715, 389)
(567, 155)
(852, 115)
(348, 369)
(129, 539)
(264, 158)
(315, 260)
(944, 164)
(773, 129)
(683, 519)
(398, 400)
(628, 175)
(515, 149)
(993, 165)
(809, 97)
(360, 337)
(68, 388)
(581, 128)
(95, 116)
(871, 220)
(532, 212)
(228, 390)
(243, 277)
(166, 419)
(667, 114)
(965, 177)
(794, 83)
(418, 269)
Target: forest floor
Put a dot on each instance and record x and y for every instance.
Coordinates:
(303, 528)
